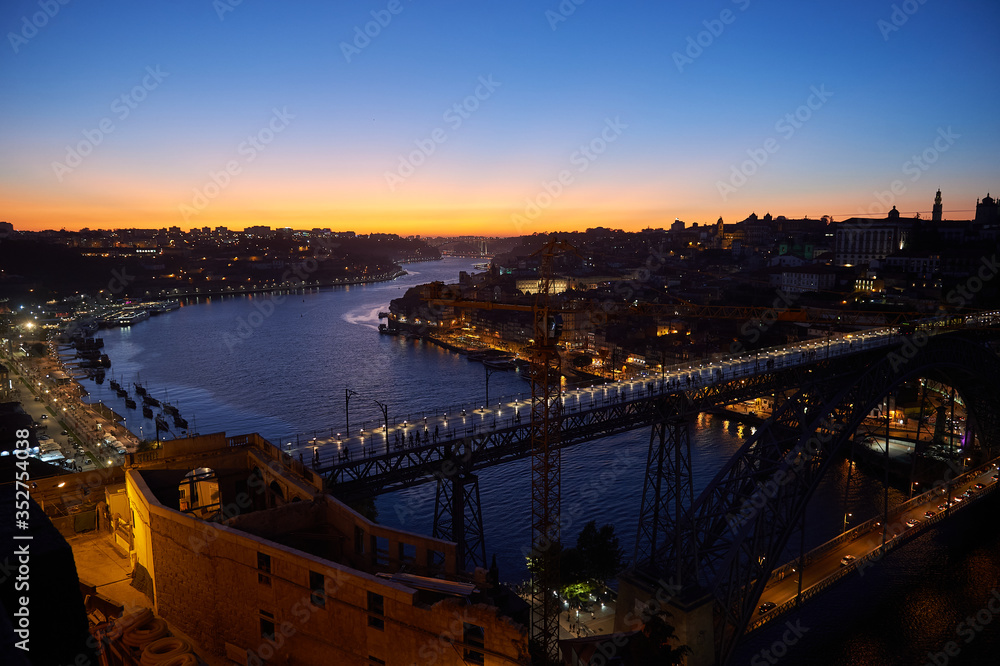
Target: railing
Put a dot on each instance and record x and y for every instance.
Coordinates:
(877, 553)
(273, 453)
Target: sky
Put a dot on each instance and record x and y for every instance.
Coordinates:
(492, 117)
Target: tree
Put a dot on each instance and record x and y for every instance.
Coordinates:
(600, 554)
(652, 644)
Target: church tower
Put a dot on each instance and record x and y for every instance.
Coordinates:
(936, 215)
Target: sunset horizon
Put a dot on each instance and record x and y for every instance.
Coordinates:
(397, 117)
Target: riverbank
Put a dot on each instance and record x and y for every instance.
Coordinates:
(85, 442)
(241, 290)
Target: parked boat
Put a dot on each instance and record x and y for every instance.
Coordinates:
(150, 400)
(180, 422)
(115, 386)
(161, 423)
(147, 411)
(130, 403)
(122, 393)
(139, 389)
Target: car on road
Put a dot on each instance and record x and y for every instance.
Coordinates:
(766, 607)
(942, 507)
(37, 399)
(44, 416)
(980, 486)
(64, 432)
(930, 514)
(846, 560)
(995, 477)
(956, 500)
(912, 522)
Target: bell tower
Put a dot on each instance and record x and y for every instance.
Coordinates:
(936, 215)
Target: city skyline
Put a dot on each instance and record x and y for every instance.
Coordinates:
(441, 119)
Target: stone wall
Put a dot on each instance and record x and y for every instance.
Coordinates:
(209, 583)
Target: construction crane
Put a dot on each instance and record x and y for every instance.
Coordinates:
(546, 376)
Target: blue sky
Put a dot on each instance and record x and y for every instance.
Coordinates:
(697, 88)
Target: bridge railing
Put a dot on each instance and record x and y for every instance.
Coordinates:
(676, 377)
(278, 457)
(892, 542)
(784, 570)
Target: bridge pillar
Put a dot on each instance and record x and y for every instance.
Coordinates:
(664, 538)
(690, 613)
(458, 517)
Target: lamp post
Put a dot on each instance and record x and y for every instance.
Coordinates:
(385, 415)
(347, 408)
(489, 372)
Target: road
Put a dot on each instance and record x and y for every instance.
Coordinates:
(825, 563)
(58, 408)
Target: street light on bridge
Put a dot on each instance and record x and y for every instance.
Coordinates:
(489, 373)
(347, 409)
(385, 415)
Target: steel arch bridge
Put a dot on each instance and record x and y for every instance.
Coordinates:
(725, 544)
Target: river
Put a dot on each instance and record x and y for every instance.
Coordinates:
(279, 365)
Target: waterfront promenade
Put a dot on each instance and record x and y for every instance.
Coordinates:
(62, 404)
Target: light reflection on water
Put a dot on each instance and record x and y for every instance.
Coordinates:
(288, 375)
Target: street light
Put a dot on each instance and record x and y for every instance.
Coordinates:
(347, 408)
(385, 415)
(489, 372)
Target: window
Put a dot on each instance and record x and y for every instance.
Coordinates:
(317, 589)
(263, 568)
(376, 611)
(474, 637)
(359, 541)
(266, 625)
(380, 550)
